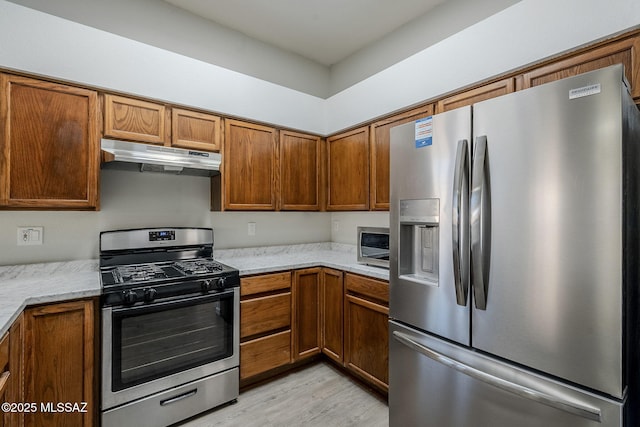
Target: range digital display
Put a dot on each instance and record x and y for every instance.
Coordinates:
(162, 235)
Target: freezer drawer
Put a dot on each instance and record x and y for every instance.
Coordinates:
(435, 383)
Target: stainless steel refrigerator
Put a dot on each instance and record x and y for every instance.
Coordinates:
(514, 264)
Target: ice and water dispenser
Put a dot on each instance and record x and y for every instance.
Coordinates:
(418, 242)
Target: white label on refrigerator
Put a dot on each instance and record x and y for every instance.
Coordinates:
(584, 91)
(424, 132)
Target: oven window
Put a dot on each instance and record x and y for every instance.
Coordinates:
(154, 341)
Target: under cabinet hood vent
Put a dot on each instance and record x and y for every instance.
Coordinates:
(152, 158)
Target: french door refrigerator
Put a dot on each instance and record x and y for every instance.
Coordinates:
(514, 269)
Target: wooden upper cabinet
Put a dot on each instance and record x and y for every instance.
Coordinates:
(49, 145)
(380, 143)
(193, 130)
(348, 170)
(250, 166)
(299, 171)
(488, 91)
(626, 52)
(135, 120)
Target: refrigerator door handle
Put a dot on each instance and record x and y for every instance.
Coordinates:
(460, 276)
(479, 248)
(571, 406)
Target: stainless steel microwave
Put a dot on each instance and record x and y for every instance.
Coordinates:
(373, 246)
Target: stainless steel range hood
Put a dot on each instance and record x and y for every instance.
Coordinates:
(153, 158)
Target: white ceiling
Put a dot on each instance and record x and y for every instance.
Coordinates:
(324, 31)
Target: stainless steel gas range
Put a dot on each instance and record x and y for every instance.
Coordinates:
(170, 326)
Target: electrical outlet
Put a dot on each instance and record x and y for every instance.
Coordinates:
(251, 228)
(28, 236)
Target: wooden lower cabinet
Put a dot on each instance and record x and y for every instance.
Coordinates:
(14, 387)
(5, 376)
(265, 353)
(366, 329)
(59, 345)
(290, 317)
(265, 323)
(306, 320)
(332, 313)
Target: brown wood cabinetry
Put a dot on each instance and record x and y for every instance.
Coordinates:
(59, 347)
(250, 166)
(193, 130)
(348, 170)
(5, 378)
(300, 159)
(13, 388)
(332, 313)
(306, 312)
(49, 145)
(478, 94)
(366, 330)
(265, 323)
(135, 120)
(625, 51)
(380, 140)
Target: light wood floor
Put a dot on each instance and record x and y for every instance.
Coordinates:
(316, 396)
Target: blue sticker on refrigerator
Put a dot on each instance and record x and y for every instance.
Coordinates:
(424, 132)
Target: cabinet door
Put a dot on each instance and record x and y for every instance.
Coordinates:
(332, 309)
(366, 329)
(49, 145)
(348, 170)
(626, 52)
(380, 140)
(478, 94)
(299, 171)
(197, 131)
(58, 361)
(306, 319)
(134, 120)
(250, 166)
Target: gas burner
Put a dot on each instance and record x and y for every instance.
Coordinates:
(194, 267)
(138, 273)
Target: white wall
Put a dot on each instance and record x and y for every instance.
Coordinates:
(517, 36)
(133, 199)
(44, 44)
(344, 225)
(161, 24)
(523, 33)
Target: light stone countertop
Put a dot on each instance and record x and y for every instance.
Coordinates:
(30, 284)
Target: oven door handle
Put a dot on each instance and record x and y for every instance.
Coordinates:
(173, 303)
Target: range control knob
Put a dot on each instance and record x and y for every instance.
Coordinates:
(150, 294)
(206, 286)
(129, 297)
(221, 283)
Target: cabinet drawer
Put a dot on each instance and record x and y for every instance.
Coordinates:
(265, 283)
(263, 354)
(376, 289)
(265, 314)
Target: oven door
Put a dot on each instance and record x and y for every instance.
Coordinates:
(154, 347)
